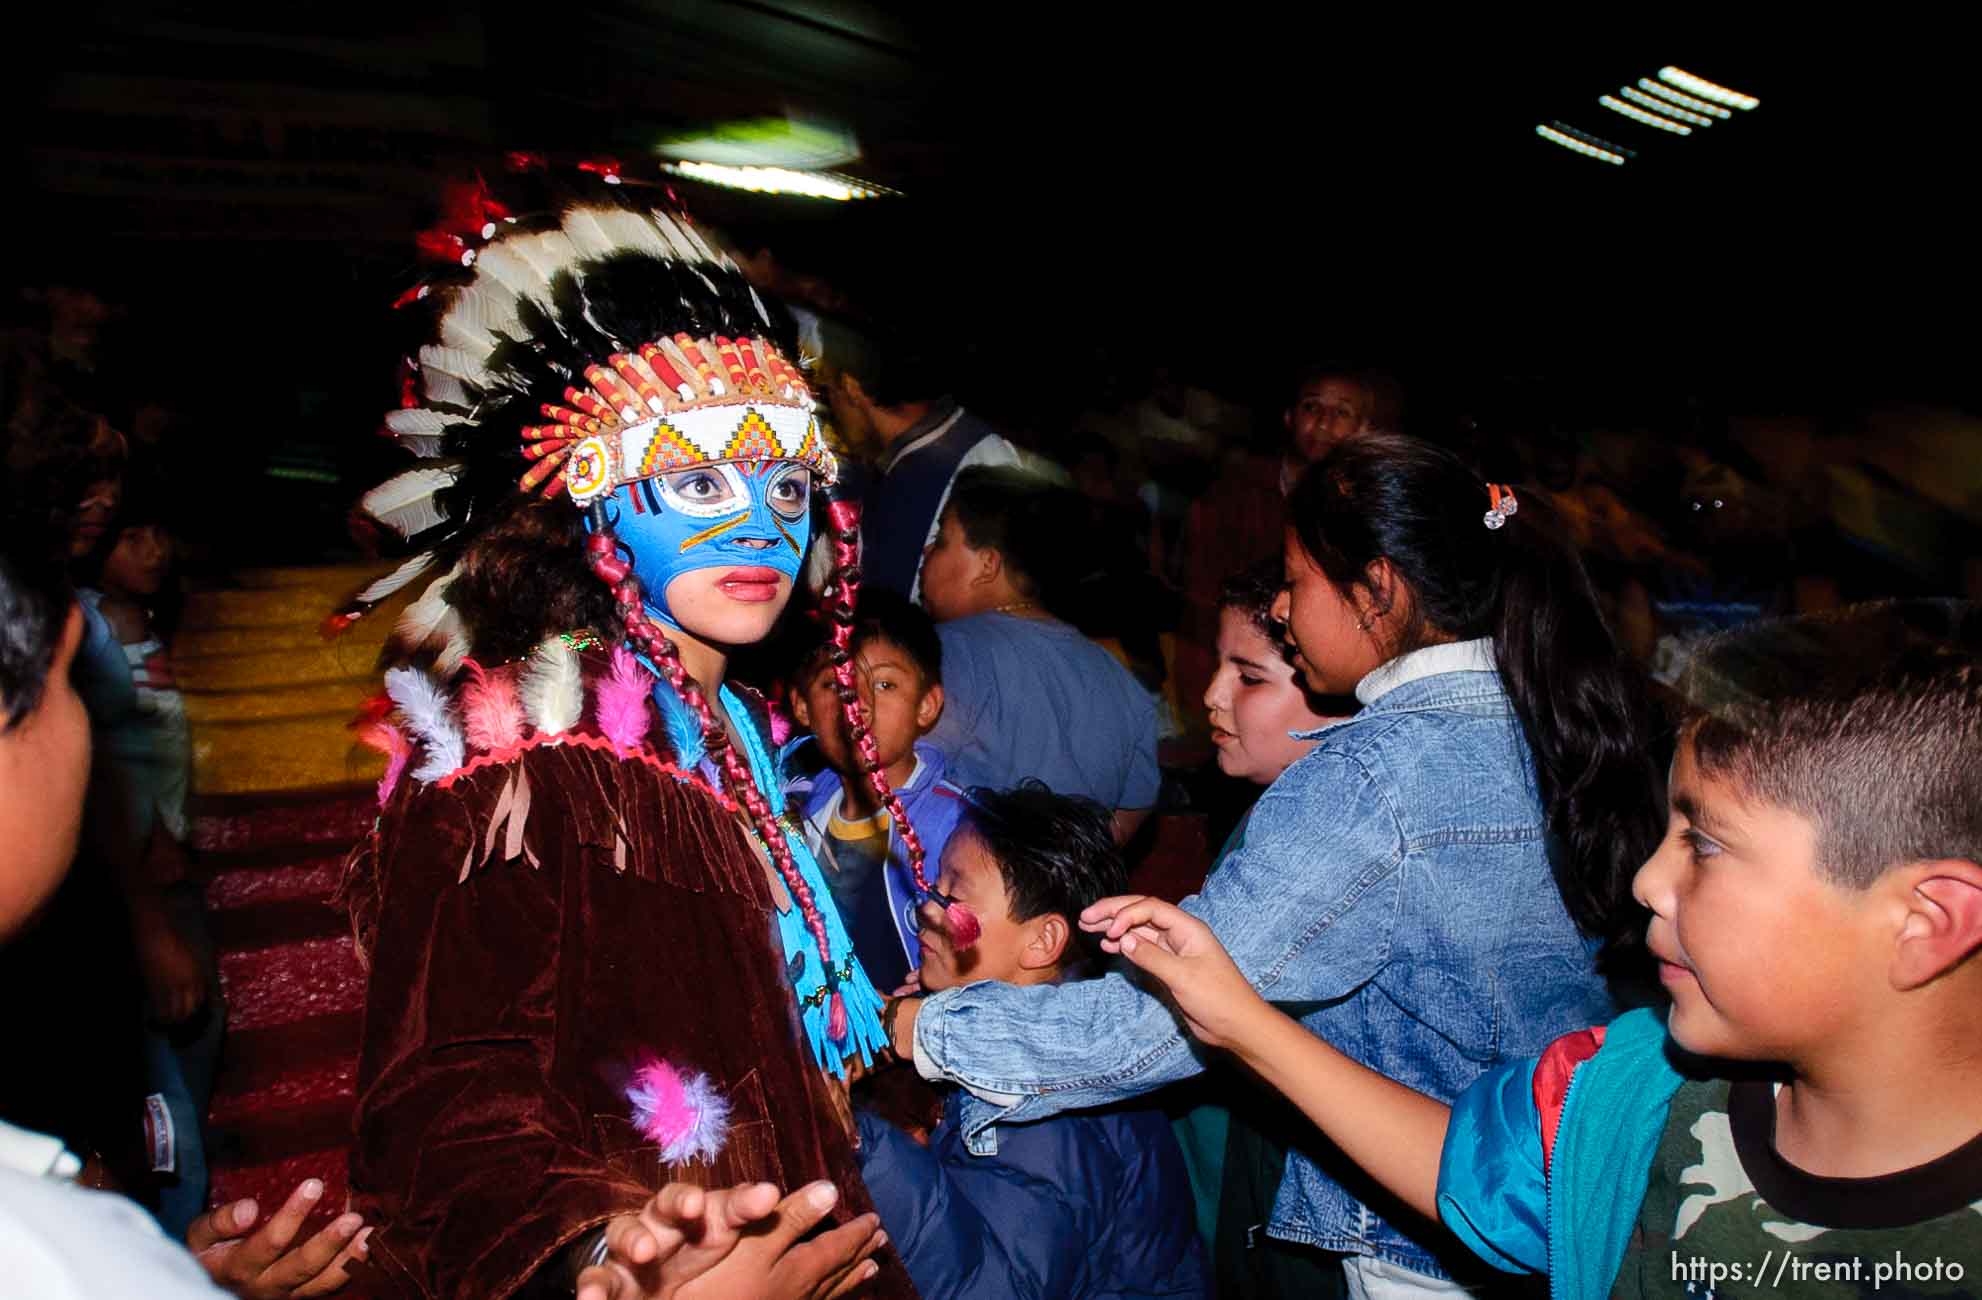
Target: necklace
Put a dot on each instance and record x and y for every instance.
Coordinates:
(1016, 606)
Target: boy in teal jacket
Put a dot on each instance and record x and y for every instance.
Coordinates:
(1806, 1116)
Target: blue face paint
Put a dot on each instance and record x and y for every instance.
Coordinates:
(714, 516)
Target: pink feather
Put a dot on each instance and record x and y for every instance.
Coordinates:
(492, 709)
(622, 701)
(392, 742)
(681, 1113)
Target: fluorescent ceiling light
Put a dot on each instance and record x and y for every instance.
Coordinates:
(776, 180)
(1567, 141)
(1705, 89)
(1640, 115)
(1670, 110)
(767, 142)
(1666, 92)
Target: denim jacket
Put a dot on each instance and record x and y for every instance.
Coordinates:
(1393, 887)
(934, 806)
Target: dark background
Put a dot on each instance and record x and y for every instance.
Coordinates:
(1087, 194)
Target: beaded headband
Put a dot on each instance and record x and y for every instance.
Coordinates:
(674, 404)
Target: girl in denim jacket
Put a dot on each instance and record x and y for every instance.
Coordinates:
(1429, 887)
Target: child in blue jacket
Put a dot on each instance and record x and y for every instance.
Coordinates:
(898, 664)
(1088, 1205)
(1806, 1116)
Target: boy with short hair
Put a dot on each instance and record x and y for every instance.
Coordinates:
(1029, 696)
(898, 664)
(1084, 1204)
(1807, 1117)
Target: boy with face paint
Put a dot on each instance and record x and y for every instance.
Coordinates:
(601, 956)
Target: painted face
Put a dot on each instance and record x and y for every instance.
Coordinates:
(716, 536)
(1255, 701)
(971, 876)
(1736, 901)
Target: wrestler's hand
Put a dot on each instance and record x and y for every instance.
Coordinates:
(911, 984)
(1217, 1001)
(262, 1266)
(737, 1242)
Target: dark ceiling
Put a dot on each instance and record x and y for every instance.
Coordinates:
(1219, 187)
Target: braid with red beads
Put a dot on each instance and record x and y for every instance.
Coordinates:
(843, 517)
(602, 550)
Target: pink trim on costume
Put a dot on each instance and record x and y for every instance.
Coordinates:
(498, 757)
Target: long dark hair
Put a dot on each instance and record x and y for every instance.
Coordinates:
(1587, 714)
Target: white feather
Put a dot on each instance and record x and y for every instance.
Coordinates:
(422, 620)
(462, 364)
(549, 254)
(505, 263)
(454, 647)
(582, 228)
(438, 386)
(398, 578)
(631, 230)
(405, 502)
(430, 716)
(553, 693)
(416, 419)
(477, 315)
(695, 240)
(418, 430)
(451, 375)
(678, 245)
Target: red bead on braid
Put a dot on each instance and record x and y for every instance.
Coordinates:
(602, 550)
(843, 517)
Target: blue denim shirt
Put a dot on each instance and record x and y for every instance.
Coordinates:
(1394, 885)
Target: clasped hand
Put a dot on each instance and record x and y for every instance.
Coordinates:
(741, 1241)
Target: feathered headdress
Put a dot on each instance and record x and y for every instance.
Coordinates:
(612, 346)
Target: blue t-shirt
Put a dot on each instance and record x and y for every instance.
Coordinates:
(1029, 697)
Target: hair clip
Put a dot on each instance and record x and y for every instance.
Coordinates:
(1503, 506)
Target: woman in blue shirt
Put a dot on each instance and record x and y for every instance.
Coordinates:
(1429, 886)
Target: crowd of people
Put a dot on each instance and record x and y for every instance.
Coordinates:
(770, 892)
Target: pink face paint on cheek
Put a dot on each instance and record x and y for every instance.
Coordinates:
(962, 924)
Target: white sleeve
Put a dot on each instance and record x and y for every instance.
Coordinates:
(62, 1242)
(991, 449)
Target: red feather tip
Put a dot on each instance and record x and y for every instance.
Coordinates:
(469, 210)
(519, 161)
(412, 295)
(336, 625)
(606, 169)
(444, 247)
(374, 710)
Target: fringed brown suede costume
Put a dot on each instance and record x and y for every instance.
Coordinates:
(533, 923)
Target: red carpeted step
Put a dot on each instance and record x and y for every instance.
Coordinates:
(258, 1058)
(337, 815)
(273, 924)
(298, 1110)
(241, 880)
(296, 981)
